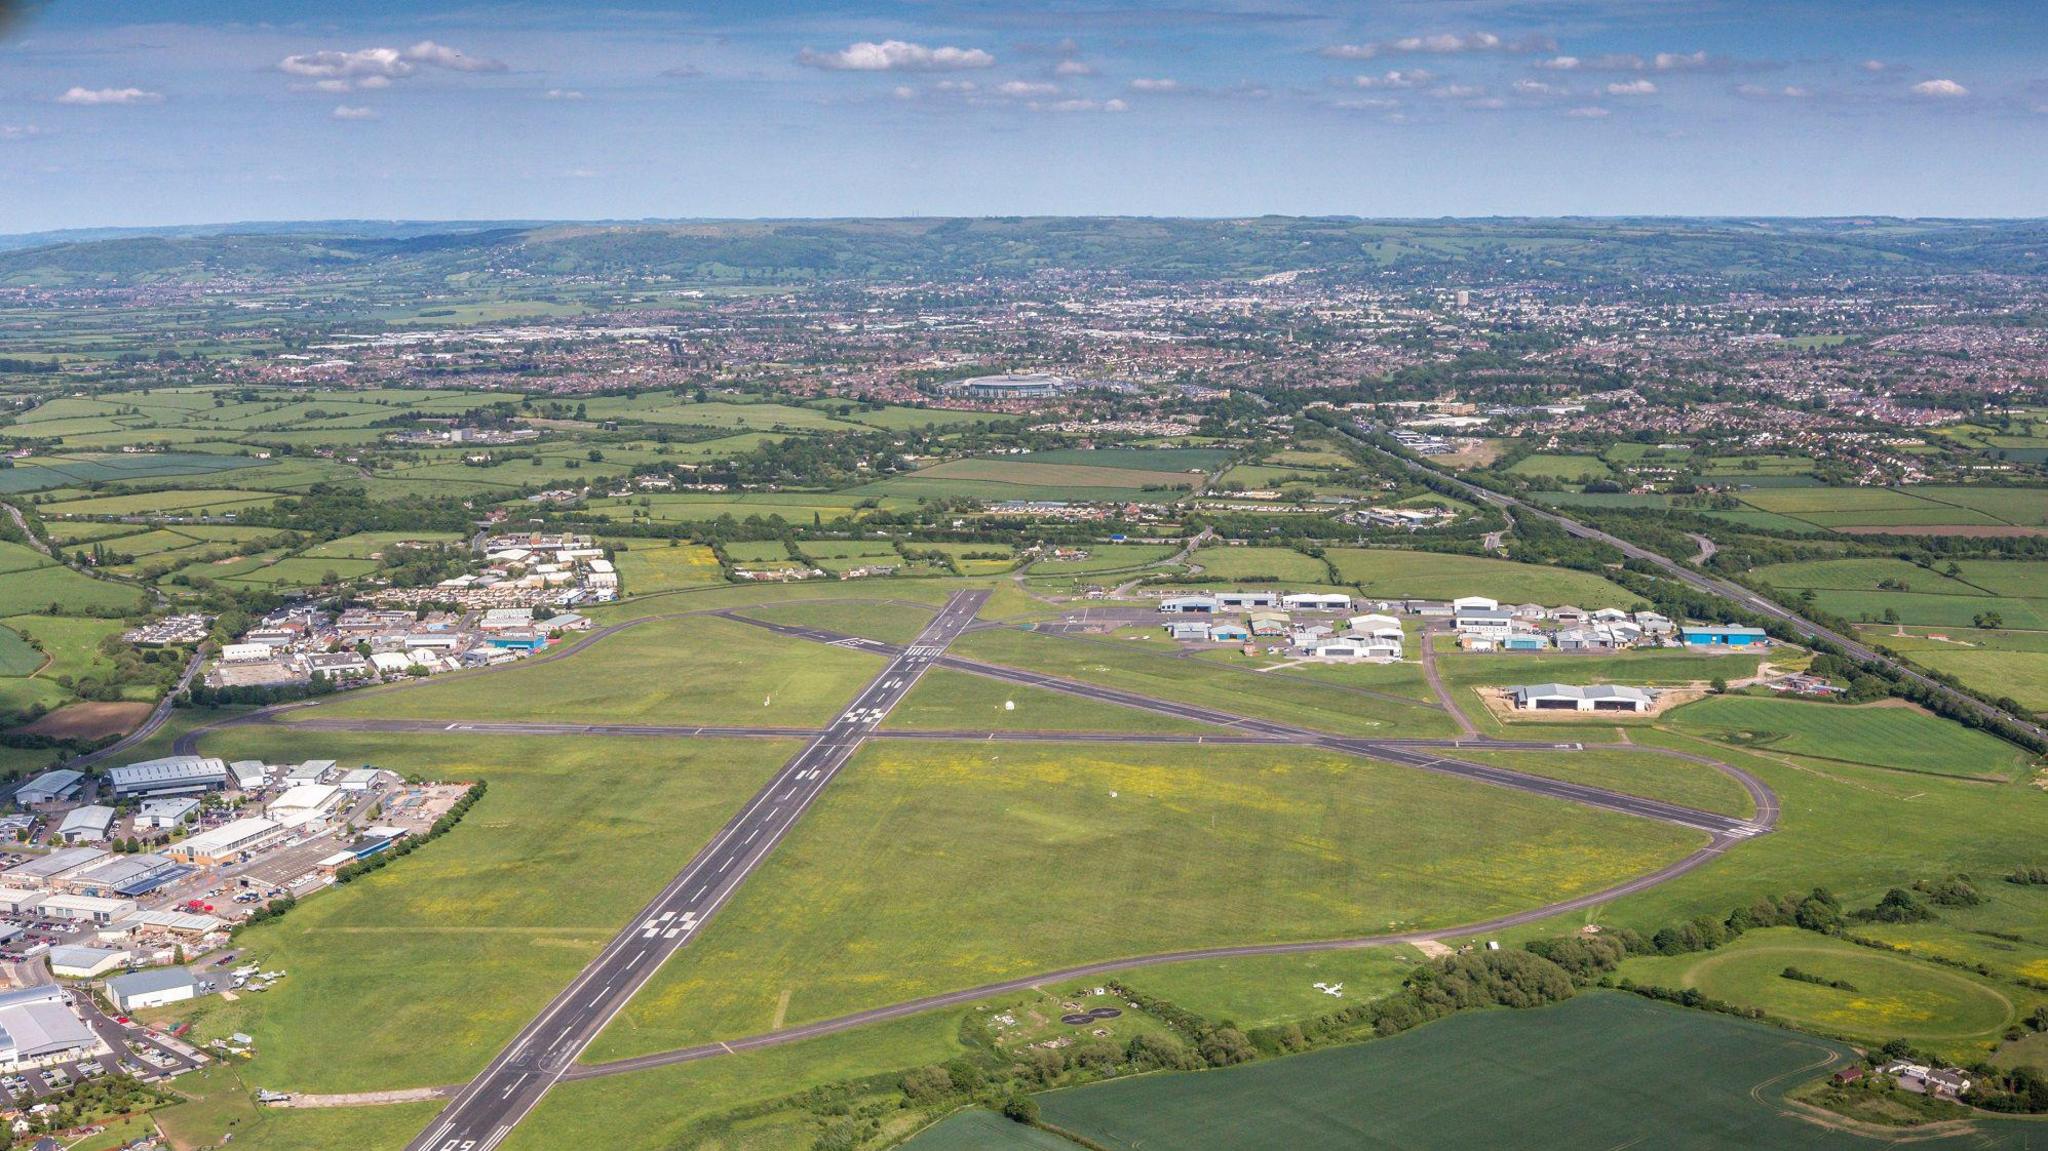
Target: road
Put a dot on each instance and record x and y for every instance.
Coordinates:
(1713, 585)
(486, 1111)
(158, 716)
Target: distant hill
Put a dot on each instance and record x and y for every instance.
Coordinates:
(794, 251)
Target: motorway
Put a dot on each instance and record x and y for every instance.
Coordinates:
(486, 1111)
(1713, 585)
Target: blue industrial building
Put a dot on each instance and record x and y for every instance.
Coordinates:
(1722, 636)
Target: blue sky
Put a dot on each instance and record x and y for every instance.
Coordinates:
(114, 112)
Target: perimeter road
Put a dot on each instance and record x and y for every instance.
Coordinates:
(486, 1111)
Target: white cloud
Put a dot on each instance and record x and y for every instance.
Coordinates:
(1562, 63)
(564, 94)
(1412, 78)
(1537, 88)
(1877, 66)
(1632, 88)
(1766, 92)
(1457, 91)
(1082, 106)
(1074, 68)
(1441, 43)
(1026, 88)
(353, 112)
(97, 96)
(1365, 104)
(956, 86)
(896, 56)
(1160, 84)
(1940, 89)
(903, 92)
(1677, 62)
(1593, 112)
(19, 131)
(334, 70)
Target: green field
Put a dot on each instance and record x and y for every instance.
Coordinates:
(1027, 478)
(1904, 738)
(1158, 675)
(572, 838)
(1278, 565)
(690, 670)
(1570, 468)
(37, 589)
(180, 501)
(888, 622)
(1106, 558)
(1262, 990)
(72, 642)
(1641, 773)
(2017, 591)
(923, 870)
(1602, 1070)
(1998, 663)
(17, 658)
(957, 701)
(647, 566)
(1893, 996)
(1393, 574)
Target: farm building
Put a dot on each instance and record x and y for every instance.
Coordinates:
(1724, 636)
(37, 1024)
(49, 787)
(153, 988)
(1188, 605)
(1565, 697)
(88, 824)
(1316, 601)
(1245, 599)
(222, 844)
(171, 775)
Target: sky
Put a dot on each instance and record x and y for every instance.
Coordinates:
(130, 112)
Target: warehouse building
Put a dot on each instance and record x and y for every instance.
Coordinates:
(1187, 631)
(88, 824)
(1317, 601)
(154, 988)
(1565, 697)
(171, 775)
(85, 962)
(1245, 599)
(164, 814)
(85, 908)
(1720, 636)
(123, 876)
(18, 901)
(38, 874)
(37, 1025)
(49, 787)
(249, 774)
(222, 844)
(1188, 605)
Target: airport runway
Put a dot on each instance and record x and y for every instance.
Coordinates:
(1409, 753)
(486, 1111)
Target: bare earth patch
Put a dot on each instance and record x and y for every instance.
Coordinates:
(87, 721)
